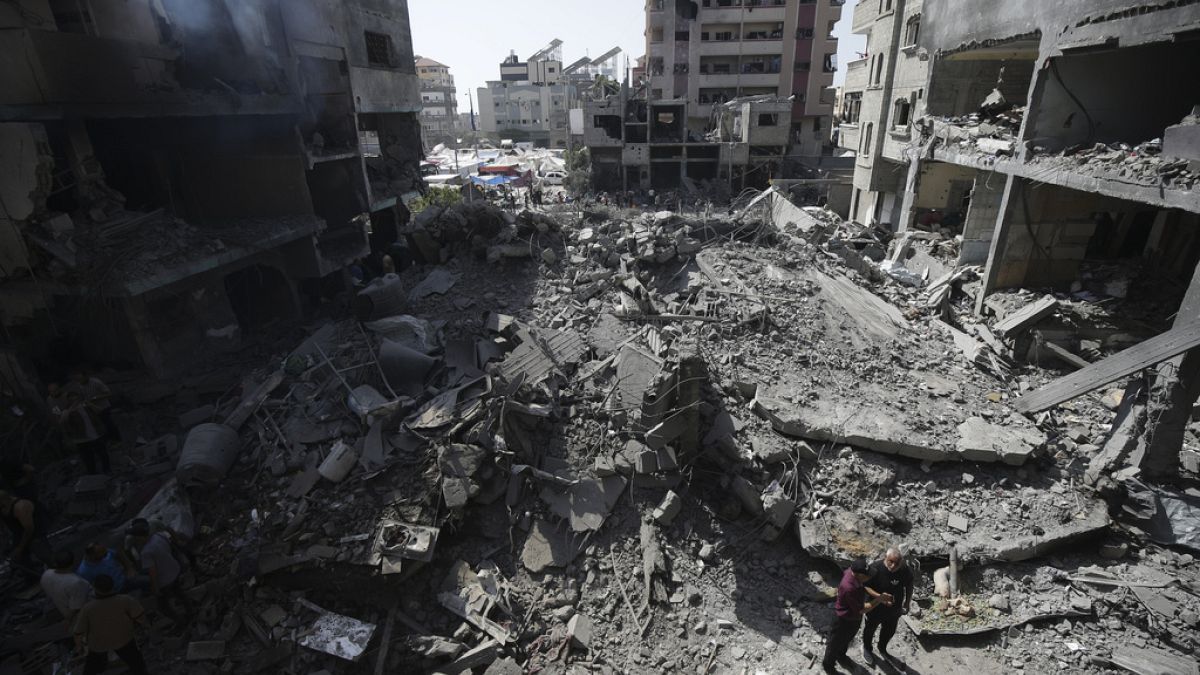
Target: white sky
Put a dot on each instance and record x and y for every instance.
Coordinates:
(474, 36)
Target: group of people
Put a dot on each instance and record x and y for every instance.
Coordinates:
(881, 592)
(95, 595)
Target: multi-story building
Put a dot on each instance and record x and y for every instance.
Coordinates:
(530, 100)
(1058, 143)
(707, 52)
(876, 107)
(439, 102)
(178, 173)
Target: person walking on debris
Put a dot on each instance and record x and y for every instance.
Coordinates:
(890, 576)
(159, 562)
(107, 624)
(98, 399)
(849, 608)
(80, 427)
(67, 590)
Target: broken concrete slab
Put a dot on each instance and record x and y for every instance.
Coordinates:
(837, 419)
(587, 503)
(477, 657)
(547, 546)
(1148, 661)
(542, 351)
(1012, 443)
(841, 536)
(459, 463)
(438, 282)
(579, 629)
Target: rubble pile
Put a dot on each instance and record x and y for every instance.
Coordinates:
(603, 451)
(1143, 163)
(990, 132)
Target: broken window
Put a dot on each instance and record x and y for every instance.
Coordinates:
(900, 113)
(768, 119)
(379, 49)
(912, 30)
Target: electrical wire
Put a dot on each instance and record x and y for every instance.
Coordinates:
(1091, 137)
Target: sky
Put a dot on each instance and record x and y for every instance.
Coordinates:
(474, 36)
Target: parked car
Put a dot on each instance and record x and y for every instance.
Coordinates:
(554, 177)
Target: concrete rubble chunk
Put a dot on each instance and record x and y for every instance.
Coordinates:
(579, 628)
(547, 546)
(586, 504)
(957, 522)
(206, 650)
(668, 508)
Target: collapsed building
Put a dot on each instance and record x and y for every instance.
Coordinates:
(178, 174)
(1060, 160)
(610, 440)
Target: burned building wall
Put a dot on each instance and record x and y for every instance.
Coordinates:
(206, 169)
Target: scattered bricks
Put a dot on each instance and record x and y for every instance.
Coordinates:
(667, 460)
(1113, 551)
(668, 508)
(206, 650)
(579, 628)
(273, 616)
(957, 522)
(647, 462)
(747, 494)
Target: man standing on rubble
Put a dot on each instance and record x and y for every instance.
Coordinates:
(890, 576)
(849, 609)
(107, 624)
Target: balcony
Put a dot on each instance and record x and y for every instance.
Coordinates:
(856, 75)
(743, 80)
(864, 16)
(734, 48)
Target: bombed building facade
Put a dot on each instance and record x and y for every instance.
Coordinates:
(1063, 159)
(176, 174)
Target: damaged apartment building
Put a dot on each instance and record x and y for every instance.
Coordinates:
(179, 173)
(1056, 146)
(732, 89)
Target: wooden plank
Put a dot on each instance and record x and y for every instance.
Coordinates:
(1026, 316)
(1065, 356)
(1155, 350)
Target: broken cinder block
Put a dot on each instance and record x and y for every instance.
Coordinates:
(670, 506)
(579, 628)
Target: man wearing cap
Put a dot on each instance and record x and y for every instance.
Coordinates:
(849, 609)
(107, 624)
(891, 576)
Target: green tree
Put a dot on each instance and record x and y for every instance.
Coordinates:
(437, 196)
(579, 171)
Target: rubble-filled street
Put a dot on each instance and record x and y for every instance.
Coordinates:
(692, 360)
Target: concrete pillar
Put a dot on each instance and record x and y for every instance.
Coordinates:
(1174, 391)
(999, 242)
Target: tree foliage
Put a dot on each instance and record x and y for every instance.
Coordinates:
(437, 196)
(579, 171)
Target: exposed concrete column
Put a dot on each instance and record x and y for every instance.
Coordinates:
(1174, 391)
(999, 243)
(912, 183)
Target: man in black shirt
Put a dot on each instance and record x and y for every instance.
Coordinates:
(888, 576)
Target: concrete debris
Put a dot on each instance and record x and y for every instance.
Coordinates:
(608, 413)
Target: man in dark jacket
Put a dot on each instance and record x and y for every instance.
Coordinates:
(849, 609)
(893, 577)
